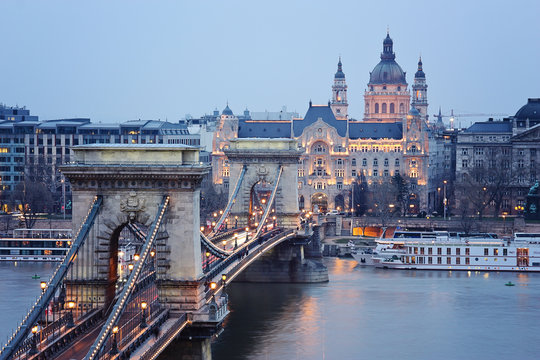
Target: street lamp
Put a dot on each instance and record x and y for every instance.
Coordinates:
(445, 200)
(114, 346)
(71, 305)
(136, 257)
(143, 315)
(206, 264)
(236, 222)
(213, 285)
(43, 286)
(247, 234)
(224, 242)
(130, 267)
(224, 278)
(235, 241)
(33, 349)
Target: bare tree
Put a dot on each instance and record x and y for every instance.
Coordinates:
(384, 196)
(34, 198)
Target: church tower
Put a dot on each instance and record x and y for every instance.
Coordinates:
(339, 103)
(419, 98)
(387, 98)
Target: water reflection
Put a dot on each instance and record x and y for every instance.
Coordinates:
(361, 311)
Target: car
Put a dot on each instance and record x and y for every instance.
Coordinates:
(332, 212)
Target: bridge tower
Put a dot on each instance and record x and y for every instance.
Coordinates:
(133, 179)
(262, 159)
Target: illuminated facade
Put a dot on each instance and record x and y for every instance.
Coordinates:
(338, 150)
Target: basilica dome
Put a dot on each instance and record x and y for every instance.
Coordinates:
(387, 71)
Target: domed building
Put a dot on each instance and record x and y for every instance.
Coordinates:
(387, 97)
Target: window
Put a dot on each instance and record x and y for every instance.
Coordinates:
(375, 172)
(464, 163)
(339, 185)
(458, 261)
(386, 173)
(384, 108)
(392, 108)
(505, 252)
(430, 251)
(386, 162)
(439, 260)
(401, 108)
(396, 163)
(376, 108)
(486, 251)
(353, 162)
(301, 172)
(225, 172)
(340, 162)
(467, 261)
(430, 260)
(458, 251)
(495, 252)
(464, 151)
(448, 251)
(478, 151)
(467, 251)
(375, 162)
(340, 173)
(439, 251)
(364, 162)
(353, 173)
(448, 260)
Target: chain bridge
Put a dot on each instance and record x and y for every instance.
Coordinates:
(140, 274)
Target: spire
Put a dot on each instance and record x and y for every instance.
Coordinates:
(339, 73)
(388, 52)
(420, 72)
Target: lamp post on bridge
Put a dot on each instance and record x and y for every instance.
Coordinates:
(206, 264)
(235, 241)
(144, 304)
(114, 346)
(71, 305)
(33, 349)
(445, 200)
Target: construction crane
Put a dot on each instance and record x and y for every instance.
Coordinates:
(453, 116)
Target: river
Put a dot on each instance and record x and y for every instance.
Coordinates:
(362, 313)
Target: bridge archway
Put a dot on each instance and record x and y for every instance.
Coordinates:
(319, 202)
(132, 181)
(263, 160)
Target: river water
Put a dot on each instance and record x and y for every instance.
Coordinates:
(362, 313)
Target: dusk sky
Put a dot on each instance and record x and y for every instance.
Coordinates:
(114, 61)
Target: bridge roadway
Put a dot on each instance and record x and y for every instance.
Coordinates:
(243, 256)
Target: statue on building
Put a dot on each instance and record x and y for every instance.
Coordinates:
(533, 202)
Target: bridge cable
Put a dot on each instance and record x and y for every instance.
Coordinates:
(270, 203)
(56, 280)
(232, 200)
(122, 298)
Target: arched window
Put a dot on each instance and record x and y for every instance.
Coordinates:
(340, 162)
(392, 110)
(396, 163)
(301, 202)
(364, 162)
(353, 162)
(376, 108)
(401, 108)
(366, 110)
(375, 162)
(384, 108)
(386, 162)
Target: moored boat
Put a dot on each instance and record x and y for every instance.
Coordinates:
(468, 252)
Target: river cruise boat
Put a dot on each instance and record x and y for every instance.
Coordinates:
(482, 252)
(394, 247)
(35, 245)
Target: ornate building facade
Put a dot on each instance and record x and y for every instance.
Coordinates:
(338, 151)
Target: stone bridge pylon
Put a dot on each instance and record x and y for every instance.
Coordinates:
(132, 180)
(263, 159)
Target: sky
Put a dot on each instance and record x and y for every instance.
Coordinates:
(120, 60)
